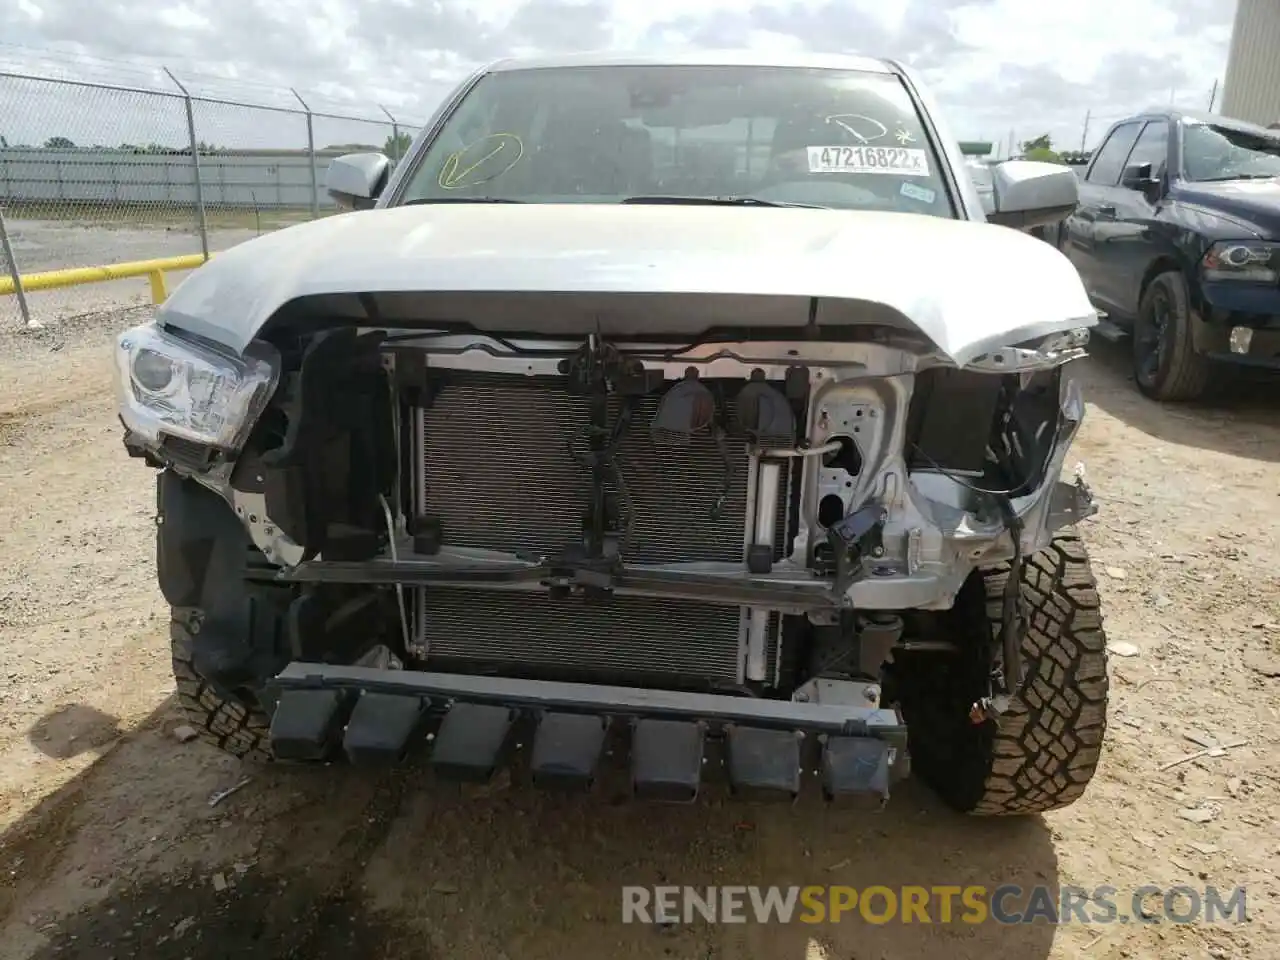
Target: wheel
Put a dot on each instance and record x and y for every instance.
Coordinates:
(226, 634)
(1043, 752)
(234, 724)
(1165, 362)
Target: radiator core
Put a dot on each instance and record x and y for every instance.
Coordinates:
(496, 470)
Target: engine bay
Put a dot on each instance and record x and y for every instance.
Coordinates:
(727, 515)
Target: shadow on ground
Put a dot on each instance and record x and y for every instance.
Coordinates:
(331, 862)
(1240, 418)
(72, 730)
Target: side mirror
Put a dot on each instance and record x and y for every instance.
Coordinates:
(1031, 193)
(355, 180)
(1138, 177)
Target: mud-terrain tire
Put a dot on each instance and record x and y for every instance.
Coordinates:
(228, 723)
(1165, 315)
(1041, 754)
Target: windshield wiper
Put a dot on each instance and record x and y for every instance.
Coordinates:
(419, 200)
(1241, 176)
(724, 201)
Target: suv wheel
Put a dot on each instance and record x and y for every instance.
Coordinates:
(1165, 363)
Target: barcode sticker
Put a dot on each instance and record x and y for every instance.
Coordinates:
(902, 161)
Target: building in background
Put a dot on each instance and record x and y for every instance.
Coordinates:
(1252, 89)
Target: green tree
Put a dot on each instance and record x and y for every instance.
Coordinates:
(1041, 148)
(397, 145)
(1045, 156)
(59, 143)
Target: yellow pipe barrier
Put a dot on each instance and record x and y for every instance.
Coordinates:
(154, 270)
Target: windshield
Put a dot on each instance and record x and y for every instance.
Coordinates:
(604, 134)
(1220, 153)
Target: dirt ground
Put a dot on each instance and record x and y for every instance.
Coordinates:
(109, 846)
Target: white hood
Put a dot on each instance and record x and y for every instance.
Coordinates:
(970, 287)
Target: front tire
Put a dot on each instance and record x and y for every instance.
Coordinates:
(236, 726)
(1043, 752)
(1166, 365)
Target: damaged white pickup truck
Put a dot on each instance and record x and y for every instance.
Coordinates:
(655, 425)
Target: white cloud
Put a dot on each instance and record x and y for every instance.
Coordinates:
(996, 65)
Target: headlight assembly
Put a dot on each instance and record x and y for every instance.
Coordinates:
(1252, 261)
(170, 386)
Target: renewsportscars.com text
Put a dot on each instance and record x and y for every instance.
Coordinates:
(1005, 904)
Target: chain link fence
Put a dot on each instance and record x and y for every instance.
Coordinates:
(94, 174)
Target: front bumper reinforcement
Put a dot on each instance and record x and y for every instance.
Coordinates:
(790, 592)
(562, 733)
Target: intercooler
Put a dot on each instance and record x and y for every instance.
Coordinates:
(498, 471)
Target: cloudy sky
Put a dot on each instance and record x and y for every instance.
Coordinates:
(997, 65)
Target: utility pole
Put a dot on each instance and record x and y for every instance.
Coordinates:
(1084, 134)
(1213, 97)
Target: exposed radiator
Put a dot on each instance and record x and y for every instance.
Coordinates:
(497, 473)
(617, 636)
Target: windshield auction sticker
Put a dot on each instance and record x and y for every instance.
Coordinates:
(902, 161)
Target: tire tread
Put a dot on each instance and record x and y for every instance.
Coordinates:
(1189, 371)
(1046, 750)
(1042, 753)
(227, 724)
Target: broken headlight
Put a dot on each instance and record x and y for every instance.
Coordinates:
(170, 386)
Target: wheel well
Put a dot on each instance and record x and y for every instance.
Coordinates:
(1161, 265)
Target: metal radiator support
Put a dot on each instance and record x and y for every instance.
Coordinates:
(765, 512)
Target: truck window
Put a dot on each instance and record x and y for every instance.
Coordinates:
(1152, 147)
(1109, 163)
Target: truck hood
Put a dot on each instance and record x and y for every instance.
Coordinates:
(1253, 202)
(970, 287)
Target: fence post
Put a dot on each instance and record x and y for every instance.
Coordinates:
(395, 136)
(202, 223)
(7, 249)
(311, 152)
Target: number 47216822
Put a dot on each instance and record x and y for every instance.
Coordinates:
(902, 161)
